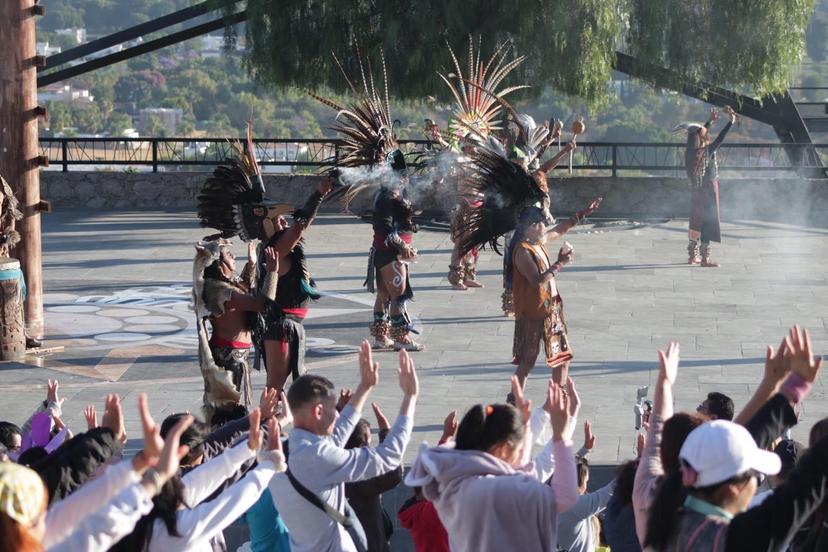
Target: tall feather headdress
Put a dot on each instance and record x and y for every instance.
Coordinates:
(233, 200)
(476, 92)
(365, 124)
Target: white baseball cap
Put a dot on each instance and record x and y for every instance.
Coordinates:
(720, 450)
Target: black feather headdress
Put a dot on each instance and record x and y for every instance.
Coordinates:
(233, 200)
(365, 124)
(506, 188)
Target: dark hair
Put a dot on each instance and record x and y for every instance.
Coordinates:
(31, 456)
(665, 511)
(359, 437)
(193, 437)
(308, 388)
(7, 431)
(624, 482)
(720, 405)
(675, 431)
(582, 464)
(789, 452)
(165, 508)
(485, 426)
(818, 432)
(226, 415)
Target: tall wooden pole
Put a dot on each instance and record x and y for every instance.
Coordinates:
(19, 158)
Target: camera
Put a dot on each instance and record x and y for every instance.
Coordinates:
(643, 407)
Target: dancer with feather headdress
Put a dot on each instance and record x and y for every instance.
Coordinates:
(370, 143)
(474, 119)
(514, 200)
(233, 201)
(703, 172)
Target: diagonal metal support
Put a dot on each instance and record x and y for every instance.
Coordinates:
(151, 46)
(779, 110)
(131, 33)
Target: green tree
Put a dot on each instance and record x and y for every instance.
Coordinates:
(60, 116)
(154, 127)
(118, 123)
(570, 44)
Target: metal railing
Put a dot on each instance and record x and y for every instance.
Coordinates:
(297, 154)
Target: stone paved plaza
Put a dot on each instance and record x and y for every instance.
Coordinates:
(117, 299)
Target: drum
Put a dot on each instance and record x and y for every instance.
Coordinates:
(12, 329)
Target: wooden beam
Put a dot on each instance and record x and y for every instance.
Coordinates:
(20, 153)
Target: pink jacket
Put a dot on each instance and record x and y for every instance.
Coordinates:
(488, 505)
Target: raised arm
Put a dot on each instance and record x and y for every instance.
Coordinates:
(650, 468)
(720, 138)
(777, 367)
(565, 226)
(553, 162)
(303, 217)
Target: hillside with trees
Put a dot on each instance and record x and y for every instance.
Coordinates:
(212, 88)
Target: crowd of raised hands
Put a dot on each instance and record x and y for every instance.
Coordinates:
(500, 477)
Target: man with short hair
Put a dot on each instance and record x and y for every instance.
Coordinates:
(319, 462)
(717, 406)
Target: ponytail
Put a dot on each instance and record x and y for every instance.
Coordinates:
(485, 426)
(664, 511)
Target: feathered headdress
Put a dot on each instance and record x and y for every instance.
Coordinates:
(233, 200)
(688, 127)
(365, 124)
(506, 188)
(476, 92)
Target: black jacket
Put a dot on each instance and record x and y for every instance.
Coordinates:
(74, 462)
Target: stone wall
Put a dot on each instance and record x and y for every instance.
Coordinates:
(783, 200)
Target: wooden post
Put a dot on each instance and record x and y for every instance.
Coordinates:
(19, 148)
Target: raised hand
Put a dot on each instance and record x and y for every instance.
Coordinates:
(409, 383)
(802, 359)
(254, 438)
(368, 369)
(252, 254)
(268, 402)
(285, 415)
(91, 417)
(52, 393)
(113, 417)
(344, 397)
(382, 421)
(274, 436)
(589, 436)
(153, 443)
(523, 404)
(574, 398)
(559, 410)
(777, 364)
(714, 114)
(449, 427)
(669, 363)
(271, 259)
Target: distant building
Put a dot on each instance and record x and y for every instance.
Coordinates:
(64, 93)
(78, 35)
(213, 46)
(43, 49)
(170, 119)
